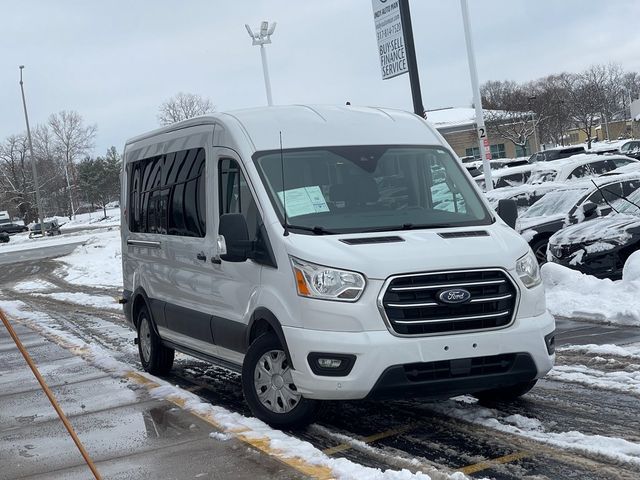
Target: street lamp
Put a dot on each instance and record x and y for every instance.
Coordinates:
(33, 158)
(263, 37)
(533, 122)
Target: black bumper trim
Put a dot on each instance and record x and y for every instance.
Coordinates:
(394, 383)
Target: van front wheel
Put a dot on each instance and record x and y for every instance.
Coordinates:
(268, 386)
(155, 357)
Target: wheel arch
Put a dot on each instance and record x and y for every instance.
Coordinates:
(263, 321)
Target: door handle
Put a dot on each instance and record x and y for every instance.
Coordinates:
(201, 256)
(216, 261)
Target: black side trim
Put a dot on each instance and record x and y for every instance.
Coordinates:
(202, 356)
(429, 380)
(345, 368)
(370, 240)
(229, 334)
(188, 322)
(550, 341)
(266, 315)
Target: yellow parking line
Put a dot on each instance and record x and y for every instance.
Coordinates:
(372, 438)
(512, 457)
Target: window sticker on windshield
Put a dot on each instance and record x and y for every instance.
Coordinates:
(303, 201)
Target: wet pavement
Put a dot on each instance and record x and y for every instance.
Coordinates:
(128, 434)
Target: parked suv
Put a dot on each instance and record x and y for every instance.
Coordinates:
(13, 228)
(326, 253)
(555, 154)
(51, 228)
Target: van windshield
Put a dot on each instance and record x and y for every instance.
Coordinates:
(369, 188)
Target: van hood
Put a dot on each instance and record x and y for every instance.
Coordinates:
(418, 251)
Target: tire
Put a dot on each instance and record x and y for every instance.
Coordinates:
(277, 403)
(506, 393)
(155, 357)
(539, 248)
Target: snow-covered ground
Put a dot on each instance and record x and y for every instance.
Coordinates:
(93, 219)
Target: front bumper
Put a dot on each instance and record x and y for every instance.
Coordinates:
(378, 352)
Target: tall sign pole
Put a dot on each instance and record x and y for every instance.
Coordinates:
(33, 157)
(396, 48)
(483, 140)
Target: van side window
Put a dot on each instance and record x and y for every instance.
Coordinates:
(167, 194)
(235, 195)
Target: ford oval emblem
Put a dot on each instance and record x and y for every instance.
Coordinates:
(454, 295)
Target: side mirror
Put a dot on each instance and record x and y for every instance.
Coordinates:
(589, 209)
(233, 228)
(508, 211)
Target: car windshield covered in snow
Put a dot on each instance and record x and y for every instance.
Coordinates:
(369, 188)
(559, 201)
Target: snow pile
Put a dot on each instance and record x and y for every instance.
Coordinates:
(95, 218)
(574, 294)
(97, 263)
(617, 381)
(591, 445)
(625, 351)
(231, 424)
(78, 298)
(34, 286)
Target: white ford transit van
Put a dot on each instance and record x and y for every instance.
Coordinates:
(326, 253)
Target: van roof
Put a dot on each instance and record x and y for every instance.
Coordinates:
(316, 125)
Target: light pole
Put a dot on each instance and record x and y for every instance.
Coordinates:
(483, 140)
(533, 122)
(263, 37)
(33, 158)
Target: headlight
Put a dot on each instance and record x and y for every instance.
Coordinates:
(528, 270)
(317, 281)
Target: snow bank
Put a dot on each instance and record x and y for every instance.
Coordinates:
(97, 263)
(92, 219)
(617, 381)
(574, 294)
(631, 270)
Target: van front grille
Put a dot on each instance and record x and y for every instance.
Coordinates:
(461, 367)
(413, 304)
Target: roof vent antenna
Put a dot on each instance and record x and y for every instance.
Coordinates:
(284, 190)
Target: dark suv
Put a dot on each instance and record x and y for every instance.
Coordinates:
(555, 154)
(12, 228)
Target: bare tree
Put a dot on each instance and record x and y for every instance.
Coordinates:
(16, 181)
(509, 115)
(183, 106)
(72, 141)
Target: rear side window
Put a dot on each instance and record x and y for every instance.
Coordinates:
(606, 194)
(167, 194)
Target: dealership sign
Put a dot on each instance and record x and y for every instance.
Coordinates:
(393, 57)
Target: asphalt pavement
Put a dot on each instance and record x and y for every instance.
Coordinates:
(127, 433)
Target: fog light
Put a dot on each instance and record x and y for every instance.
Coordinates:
(329, 362)
(550, 341)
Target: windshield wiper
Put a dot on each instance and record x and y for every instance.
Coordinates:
(317, 230)
(619, 196)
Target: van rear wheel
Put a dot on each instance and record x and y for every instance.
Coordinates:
(268, 386)
(154, 356)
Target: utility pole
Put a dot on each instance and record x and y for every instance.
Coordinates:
(483, 140)
(263, 37)
(33, 157)
(412, 63)
(531, 99)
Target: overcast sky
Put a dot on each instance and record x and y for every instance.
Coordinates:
(116, 61)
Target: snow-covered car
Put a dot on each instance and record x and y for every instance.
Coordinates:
(4, 237)
(630, 168)
(524, 195)
(600, 247)
(571, 204)
(631, 149)
(51, 228)
(578, 167)
(507, 176)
